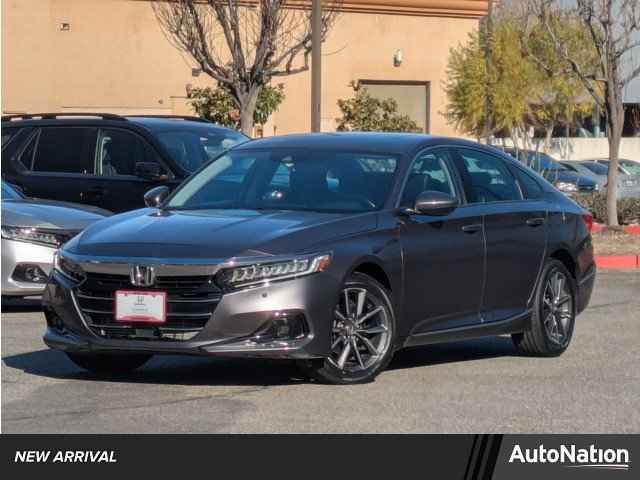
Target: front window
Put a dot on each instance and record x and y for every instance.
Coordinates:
(193, 146)
(291, 179)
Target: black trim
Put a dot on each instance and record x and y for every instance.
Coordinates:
(517, 324)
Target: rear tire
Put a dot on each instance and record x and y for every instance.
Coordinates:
(365, 328)
(554, 314)
(108, 364)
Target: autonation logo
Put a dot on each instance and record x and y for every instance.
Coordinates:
(573, 457)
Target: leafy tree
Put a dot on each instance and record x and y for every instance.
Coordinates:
(217, 105)
(365, 113)
(613, 28)
(524, 96)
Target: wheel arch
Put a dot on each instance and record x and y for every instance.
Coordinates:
(563, 255)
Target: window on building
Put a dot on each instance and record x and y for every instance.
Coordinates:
(412, 98)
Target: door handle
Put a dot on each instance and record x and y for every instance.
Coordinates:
(535, 222)
(92, 193)
(473, 228)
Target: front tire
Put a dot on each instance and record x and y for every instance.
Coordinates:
(108, 364)
(363, 335)
(554, 314)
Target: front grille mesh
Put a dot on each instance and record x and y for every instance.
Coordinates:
(190, 302)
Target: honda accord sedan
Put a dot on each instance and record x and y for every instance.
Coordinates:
(334, 250)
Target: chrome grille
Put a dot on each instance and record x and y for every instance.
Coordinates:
(190, 302)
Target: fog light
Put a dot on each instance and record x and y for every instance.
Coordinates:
(282, 326)
(29, 273)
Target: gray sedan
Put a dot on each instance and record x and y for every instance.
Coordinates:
(32, 230)
(628, 184)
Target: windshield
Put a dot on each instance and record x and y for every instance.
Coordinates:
(191, 147)
(540, 162)
(8, 193)
(632, 167)
(291, 179)
(597, 168)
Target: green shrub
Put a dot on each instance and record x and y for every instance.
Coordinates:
(365, 113)
(628, 208)
(217, 105)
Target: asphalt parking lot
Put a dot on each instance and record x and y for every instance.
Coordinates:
(473, 386)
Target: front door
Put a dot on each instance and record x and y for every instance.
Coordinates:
(118, 184)
(443, 255)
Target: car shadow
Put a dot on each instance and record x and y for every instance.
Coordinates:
(18, 305)
(184, 370)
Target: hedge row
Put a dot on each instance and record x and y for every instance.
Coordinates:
(628, 208)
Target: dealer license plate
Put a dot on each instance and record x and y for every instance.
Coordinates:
(143, 307)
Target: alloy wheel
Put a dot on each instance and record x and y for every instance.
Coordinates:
(557, 308)
(361, 330)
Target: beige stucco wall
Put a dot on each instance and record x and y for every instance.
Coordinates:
(115, 58)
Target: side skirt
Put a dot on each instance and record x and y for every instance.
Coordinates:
(516, 324)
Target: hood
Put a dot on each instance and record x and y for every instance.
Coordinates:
(215, 234)
(49, 214)
(569, 177)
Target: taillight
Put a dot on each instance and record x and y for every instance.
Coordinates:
(588, 221)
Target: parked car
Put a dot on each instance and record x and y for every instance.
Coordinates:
(628, 185)
(32, 230)
(596, 173)
(565, 180)
(332, 249)
(106, 160)
(629, 167)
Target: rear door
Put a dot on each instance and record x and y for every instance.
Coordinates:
(57, 161)
(515, 232)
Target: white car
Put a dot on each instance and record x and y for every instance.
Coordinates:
(32, 230)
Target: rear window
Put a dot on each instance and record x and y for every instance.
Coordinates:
(8, 134)
(530, 186)
(61, 149)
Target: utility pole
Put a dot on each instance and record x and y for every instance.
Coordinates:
(488, 53)
(316, 64)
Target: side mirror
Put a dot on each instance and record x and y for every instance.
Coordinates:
(156, 196)
(431, 202)
(148, 170)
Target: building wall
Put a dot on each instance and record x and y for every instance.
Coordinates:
(114, 57)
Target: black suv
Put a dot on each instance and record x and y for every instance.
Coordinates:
(103, 159)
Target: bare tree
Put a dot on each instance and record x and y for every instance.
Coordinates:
(242, 44)
(614, 27)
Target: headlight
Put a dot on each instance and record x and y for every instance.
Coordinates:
(566, 187)
(262, 272)
(32, 235)
(67, 267)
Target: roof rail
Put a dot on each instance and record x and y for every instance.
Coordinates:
(190, 118)
(51, 116)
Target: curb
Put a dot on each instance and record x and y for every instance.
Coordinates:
(617, 262)
(630, 229)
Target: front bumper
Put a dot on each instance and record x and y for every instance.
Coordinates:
(230, 331)
(15, 253)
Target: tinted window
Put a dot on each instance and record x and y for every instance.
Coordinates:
(429, 171)
(596, 168)
(190, 148)
(64, 149)
(291, 179)
(489, 179)
(530, 185)
(8, 134)
(119, 151)
(9, 193)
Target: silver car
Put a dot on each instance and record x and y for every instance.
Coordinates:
(32, 230)
(628, 183)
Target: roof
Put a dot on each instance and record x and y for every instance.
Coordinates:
(398, 143)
